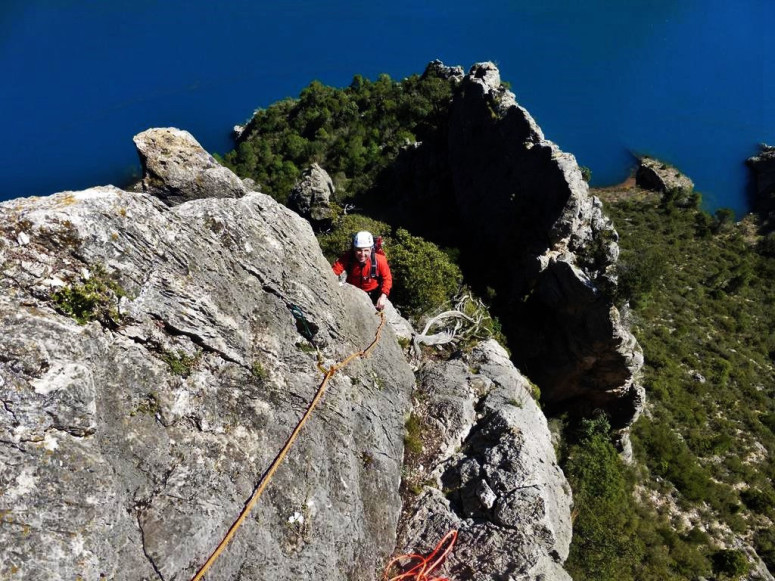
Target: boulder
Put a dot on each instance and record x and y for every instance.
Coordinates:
(153, 362)
(311, 196)
(763, 167)
(656, 175)
(176, 168)
(494, 475)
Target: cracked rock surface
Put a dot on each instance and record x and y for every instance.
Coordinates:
(151, 368)
(495, 478)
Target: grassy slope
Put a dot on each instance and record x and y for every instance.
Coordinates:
(703, 308)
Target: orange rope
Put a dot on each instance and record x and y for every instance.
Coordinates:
(425, 565)
(279, 458)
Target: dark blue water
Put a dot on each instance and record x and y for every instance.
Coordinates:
(686, 81)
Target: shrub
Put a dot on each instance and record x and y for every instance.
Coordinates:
(93, 299)
(764, 542)
(339, 239)
(604, 544)
(766, 245)
(769, 421)
(423, 276)
(730, 562)
(722, 219)
(638, 275)
(761, 501)
(179, 363)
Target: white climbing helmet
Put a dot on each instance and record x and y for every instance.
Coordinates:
(363, 239)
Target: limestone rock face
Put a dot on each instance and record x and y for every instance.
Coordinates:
(130, 441)
(763, 166)
(311, 196)
(543, 243)
(653, 174)
(505, 494)
(177, 169)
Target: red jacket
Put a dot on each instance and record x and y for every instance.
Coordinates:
(360, 274)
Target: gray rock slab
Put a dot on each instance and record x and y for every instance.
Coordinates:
(129, 444)
(311, 196)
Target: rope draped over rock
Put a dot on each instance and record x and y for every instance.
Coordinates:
(281, 455)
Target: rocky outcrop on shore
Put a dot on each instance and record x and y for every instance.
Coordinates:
(656, 175)
(152, 363)
(763, 167)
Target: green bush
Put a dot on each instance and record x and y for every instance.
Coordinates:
(731, 563)
(339, 239)
(638, 275)
(769, 421)
(761, 501)
(423, 276)
(605, 545)
(767, 245)
(764, 542)
(95, 298)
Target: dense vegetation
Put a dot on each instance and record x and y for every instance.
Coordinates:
(703, 308)
(353, 132)
(696, 288)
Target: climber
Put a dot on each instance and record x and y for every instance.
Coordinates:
(367, 268)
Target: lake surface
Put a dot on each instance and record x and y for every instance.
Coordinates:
(690, 82)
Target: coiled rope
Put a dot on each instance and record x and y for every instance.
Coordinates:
(279, 458)
(425, 565)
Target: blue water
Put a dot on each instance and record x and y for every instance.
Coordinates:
(687, 81)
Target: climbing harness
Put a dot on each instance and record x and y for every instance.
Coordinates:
(279, 458)
(425, 565)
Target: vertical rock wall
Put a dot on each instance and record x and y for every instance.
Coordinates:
(534, 234)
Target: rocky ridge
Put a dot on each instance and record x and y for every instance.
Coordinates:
(152, 366)
(554, 267)
(131, 442)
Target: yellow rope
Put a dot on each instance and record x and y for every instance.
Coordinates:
(279, 458)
